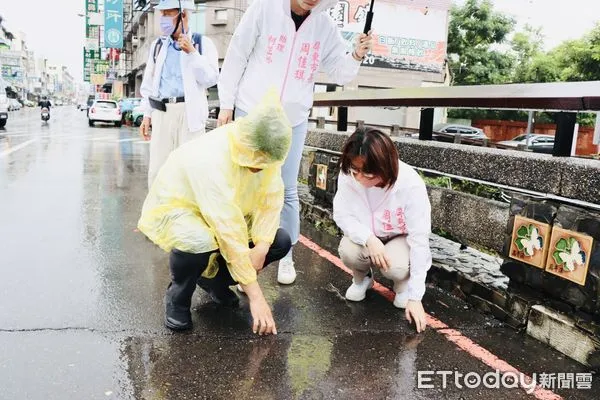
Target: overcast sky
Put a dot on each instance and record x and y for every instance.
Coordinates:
(54, 30)
(560, 19)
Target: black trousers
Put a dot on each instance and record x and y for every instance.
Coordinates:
(182, 261)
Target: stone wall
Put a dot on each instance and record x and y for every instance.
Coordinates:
(482, 226)
(470, 219)
(568, 177)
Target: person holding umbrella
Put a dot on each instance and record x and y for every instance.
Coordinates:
(286, 44)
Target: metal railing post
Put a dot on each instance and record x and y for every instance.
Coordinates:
(342, 122)
(426, 125)
(565, 129)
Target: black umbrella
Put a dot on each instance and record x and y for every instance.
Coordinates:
(369, 18)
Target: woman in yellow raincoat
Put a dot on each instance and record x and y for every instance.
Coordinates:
(215, 207)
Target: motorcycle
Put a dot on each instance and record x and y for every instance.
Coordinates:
(45, 114)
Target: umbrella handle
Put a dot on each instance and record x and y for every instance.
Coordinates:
(368, 22)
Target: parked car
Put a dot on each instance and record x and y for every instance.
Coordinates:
(465, 131)
(137, 115)
(82, 106)
(14, 105)
(538, 143)
(3, 110)
(129, 103)
(105, 111)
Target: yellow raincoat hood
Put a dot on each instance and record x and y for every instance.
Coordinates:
(263, 137)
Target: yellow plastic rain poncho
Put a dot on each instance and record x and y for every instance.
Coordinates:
(205, 197)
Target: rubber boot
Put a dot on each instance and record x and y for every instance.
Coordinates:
(178, 299)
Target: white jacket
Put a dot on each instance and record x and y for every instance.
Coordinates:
(199, 72)
(403, 209)
(266, 51)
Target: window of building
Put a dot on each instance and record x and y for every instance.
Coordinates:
(221, 15)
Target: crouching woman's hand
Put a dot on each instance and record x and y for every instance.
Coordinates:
(416, 313)
(263, 322)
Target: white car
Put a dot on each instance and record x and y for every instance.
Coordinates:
(105, 111)
(3, 110)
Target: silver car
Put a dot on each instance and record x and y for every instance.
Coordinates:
(465, 131)
(537, 142)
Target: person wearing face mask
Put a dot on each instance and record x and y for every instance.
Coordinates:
(286, 43)
(180, 68)
(381, 206)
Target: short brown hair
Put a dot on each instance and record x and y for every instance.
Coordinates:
(381, 155)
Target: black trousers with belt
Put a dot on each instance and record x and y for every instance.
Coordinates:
(182, 261)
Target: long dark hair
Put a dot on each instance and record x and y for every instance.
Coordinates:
(381, 155)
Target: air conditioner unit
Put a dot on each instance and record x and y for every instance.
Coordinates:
(135, 41)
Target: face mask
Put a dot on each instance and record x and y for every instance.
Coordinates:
(166, 25)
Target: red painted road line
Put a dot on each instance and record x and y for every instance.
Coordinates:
(452, 335)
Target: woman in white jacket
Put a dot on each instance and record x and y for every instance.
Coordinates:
(286, 43)
(382, 207)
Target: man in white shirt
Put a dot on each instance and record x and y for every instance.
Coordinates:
(180, 68)
(285, 43)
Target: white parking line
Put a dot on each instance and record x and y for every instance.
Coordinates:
(19, 147)
(101, 138)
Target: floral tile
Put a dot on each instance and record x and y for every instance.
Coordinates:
(529, 243)
(569, 255)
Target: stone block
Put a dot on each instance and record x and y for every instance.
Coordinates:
(482, 290)
(580, 179)
(483, 225)
(487, 307)
(519, 303)
(499, 298)
(587, 322)
(465, 283)
(560, 332)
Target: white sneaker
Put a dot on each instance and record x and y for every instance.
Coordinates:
(358, 291)
(286, 273)
(401, 299)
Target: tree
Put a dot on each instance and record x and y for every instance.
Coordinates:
(579, 60)
(532, 64)
(475, 34)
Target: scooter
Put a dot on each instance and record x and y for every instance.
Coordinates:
(45, 115)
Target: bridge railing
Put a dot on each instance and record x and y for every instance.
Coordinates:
(565, 98)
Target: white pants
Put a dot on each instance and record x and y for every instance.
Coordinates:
(169, 131)
(356, 258)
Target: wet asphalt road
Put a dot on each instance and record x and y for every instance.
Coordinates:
(81, 314)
